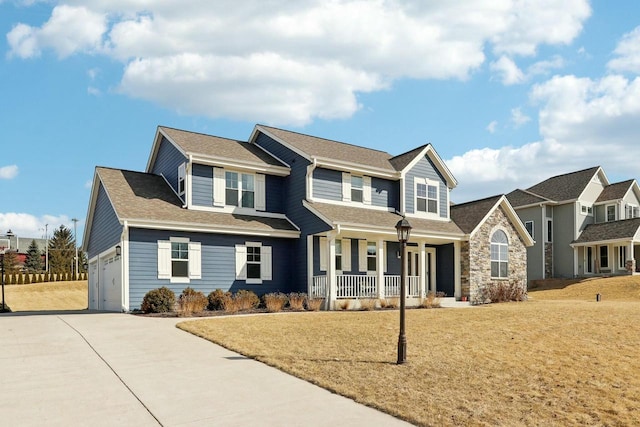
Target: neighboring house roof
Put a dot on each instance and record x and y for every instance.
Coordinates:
(213, 148)
(313, 146)
(568, 186)
(471, 215)
(615, 191)
(143, 199)
(626, 229)
(347, 217)
(519, 198)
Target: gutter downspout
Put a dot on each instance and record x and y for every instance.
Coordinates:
(309, 178)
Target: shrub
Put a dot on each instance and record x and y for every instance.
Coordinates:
(246, 300)
(296, 301)
(432, 300)
(217, 299)
(27, 278)
(368, 304)
(345, 304)
(503, 292)
(274, 302)
(313, 304)
(161, 300)
(191, 301)
(392, 302)
(230, 305)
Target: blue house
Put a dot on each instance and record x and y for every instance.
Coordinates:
(285, 212)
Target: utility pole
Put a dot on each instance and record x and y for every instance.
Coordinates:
(75, 241)
(46, 248)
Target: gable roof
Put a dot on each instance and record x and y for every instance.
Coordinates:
(568, 186)
(520, 198)
(356, 218)
(207, 148)
(615, 191)
(145, 200)
(401, 161)
(471, 215)
(625, 229)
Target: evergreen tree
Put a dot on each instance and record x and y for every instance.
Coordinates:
(33, 263)
(61, 251)
(10, 262)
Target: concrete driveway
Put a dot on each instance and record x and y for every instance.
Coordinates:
(106, 369)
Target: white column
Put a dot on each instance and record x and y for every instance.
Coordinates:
(331, 269)
(456, 270)
(380, 260)
(575, 262)
(421, 270)
(309, 265)
(631, 256)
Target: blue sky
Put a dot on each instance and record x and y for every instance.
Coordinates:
(508, 92)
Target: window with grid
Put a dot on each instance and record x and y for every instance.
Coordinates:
(611, 213)
(239, 189)
(339, 254)
(253, 262)
(499, 254)
(179, 259)
(356, 188)
(371, 256)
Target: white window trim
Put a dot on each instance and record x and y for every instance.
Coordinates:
(346, 190)
(428, 182)
(630, 210)
(606, 212)
(608, 266)
(586, 209)
(491, 243)
(182, 176)
(266, 263)
(622, 257)
(194, 262)
(220, 189)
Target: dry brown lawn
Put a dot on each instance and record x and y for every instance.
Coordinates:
(622, 288)
(47, 296)
(543, 362)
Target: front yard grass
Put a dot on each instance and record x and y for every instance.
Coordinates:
(541, 362)
(47, 296)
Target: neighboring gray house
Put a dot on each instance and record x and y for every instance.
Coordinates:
(578, 222)
(283, 212)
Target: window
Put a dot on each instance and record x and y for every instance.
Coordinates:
(356, 189)
(253, 262)
(622, 257)
(371, 256)
(427, 197)
(632, 212)
(611, 213)
(339, 255)
(529, 226)
(182, 173)
(604, 257)
(586, 210)
(549, 231)
(239, 189)
(499, 254)
(179, 260)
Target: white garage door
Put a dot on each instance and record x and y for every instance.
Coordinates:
(110, 285)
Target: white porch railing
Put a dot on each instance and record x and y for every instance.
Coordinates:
(362, 286)
(392, 286)
(356, 286)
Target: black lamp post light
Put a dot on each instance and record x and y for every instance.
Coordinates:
(404, 230)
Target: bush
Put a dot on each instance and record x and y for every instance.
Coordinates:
(431, 301)
(313, 304)
(296, 301)
(274, 302)
(191, 301)
(503, 292)
(393, 302)
(246, 300)
(368, 304)
(161, 300)
(217, 299)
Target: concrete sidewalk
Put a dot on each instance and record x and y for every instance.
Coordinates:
(105, 369)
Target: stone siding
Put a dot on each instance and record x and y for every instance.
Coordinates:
(548, 260)
(479, 258)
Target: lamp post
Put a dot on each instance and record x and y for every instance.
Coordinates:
(404, 230)
(2, 276)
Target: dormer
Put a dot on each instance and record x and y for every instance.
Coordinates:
(218, 174)
(620, 200)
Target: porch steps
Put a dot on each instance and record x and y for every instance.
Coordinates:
(450, 302)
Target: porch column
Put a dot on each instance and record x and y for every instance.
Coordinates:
(575, 261)
(331, 270)
(457, 293)
(310, 266)
(421, 271)
(380, 260)
(631, 257)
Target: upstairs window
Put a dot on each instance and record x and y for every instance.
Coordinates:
(586, 210)
(427, 197)
(499, 255)
(182, 173)
(632, 212)
(529, 226)
(611, 213)
(356, 189)
(239, 189)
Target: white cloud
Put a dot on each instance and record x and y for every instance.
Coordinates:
(216, 58)
(491, 127)
(518, 118)
(628, 53)
(25, 225)
(8, 172)
(93, 91)
(509, 73)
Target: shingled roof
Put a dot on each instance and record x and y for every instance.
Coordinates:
(615, 191)
(401, 161)
(145, 197)
(468, 215)
(347, 215)
(217, 147)
(519, 198)
(568, 186)
(625, 229)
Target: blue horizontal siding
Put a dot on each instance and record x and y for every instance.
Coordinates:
(218, 264)
(327, 184)
(425, 169)
(105, 228)
(276, 193)
(385, 193)
(167, 161)
(202, 185)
